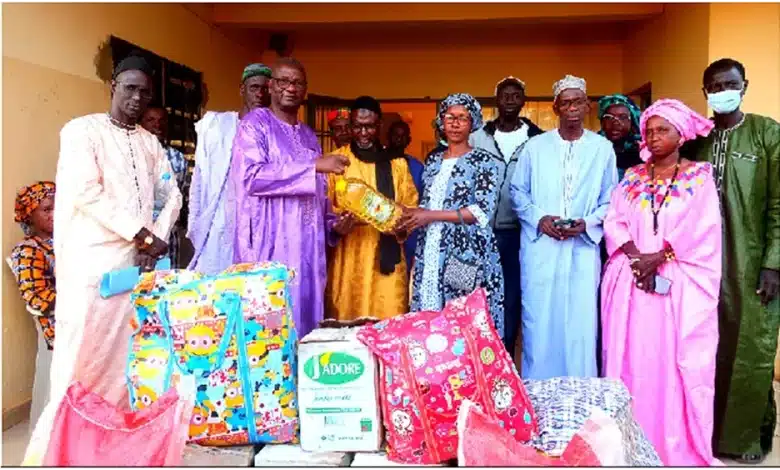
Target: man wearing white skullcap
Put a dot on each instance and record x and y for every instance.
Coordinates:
(569, 82)
(560, 192)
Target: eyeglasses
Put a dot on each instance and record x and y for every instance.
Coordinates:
(577, 103)
(622, 118)
(364, 127)
(462, 119)
(284, 83)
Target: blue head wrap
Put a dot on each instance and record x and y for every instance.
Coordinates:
(463, 99)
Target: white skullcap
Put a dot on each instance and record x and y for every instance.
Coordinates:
(568, 82)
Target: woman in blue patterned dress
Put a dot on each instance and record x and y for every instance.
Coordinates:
(456, 250)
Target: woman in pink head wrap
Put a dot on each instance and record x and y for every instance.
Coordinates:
(660, 287)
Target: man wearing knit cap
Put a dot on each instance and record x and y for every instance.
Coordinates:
(210, 225)
(367, 273)
(109, 171)
(560, 193)
(505, 137)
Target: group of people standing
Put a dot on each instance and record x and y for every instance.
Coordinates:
(681, 243)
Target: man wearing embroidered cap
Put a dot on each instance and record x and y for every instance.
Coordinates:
(560, 192)
(505, 137)
(338, 123)
(210, 225)
(107, 177)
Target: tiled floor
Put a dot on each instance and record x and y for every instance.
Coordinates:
(15, 443)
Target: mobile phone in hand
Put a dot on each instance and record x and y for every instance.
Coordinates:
(662, 285)
(563, 223)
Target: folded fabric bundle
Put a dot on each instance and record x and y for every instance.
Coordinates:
(483, 442)
(564, 404)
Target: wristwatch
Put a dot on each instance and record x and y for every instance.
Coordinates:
(148, 241)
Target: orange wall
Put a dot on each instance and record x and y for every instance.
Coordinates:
(49, 78)
(757, 29)
(417, 65)
(419, 117)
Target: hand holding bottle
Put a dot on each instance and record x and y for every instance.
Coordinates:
(331, 163)
(366, 204)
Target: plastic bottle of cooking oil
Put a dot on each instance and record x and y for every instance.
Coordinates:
(367, 204)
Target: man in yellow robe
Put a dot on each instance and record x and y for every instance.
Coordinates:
(367, 273)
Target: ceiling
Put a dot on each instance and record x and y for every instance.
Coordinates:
(377, 24)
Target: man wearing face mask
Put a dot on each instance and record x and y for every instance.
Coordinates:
(367, 273)
(744, 150)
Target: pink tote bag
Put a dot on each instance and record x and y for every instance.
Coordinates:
(89, 431)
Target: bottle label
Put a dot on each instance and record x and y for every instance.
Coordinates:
(376, 207)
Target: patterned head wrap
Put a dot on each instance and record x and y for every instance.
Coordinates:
(341, 113)
(253, 70)
(463, 99)
(569, 82)
(510, 80)
(633, 136)
(28, 199)
(688, 122)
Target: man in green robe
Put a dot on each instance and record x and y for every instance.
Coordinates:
(744, 150)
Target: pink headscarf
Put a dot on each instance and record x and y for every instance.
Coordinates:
(688, 122)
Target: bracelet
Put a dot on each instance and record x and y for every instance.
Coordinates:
(669, 252)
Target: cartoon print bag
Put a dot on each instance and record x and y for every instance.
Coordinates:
(432, 362)
(233, 335)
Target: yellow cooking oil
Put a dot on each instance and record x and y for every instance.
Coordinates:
(367, 204)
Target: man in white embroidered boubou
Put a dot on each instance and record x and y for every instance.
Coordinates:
(560, 192)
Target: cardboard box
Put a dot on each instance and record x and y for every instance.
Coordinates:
(338, 400)
(289, 455)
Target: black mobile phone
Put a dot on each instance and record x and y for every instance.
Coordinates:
(563, 223)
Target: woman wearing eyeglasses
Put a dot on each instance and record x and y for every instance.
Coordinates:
(456, 249)
(619, 118)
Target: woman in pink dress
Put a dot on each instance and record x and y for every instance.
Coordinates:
(660, 287)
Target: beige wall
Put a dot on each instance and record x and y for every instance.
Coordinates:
(49, 78)
(670, 51)
(673, 50)
(750, 33)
